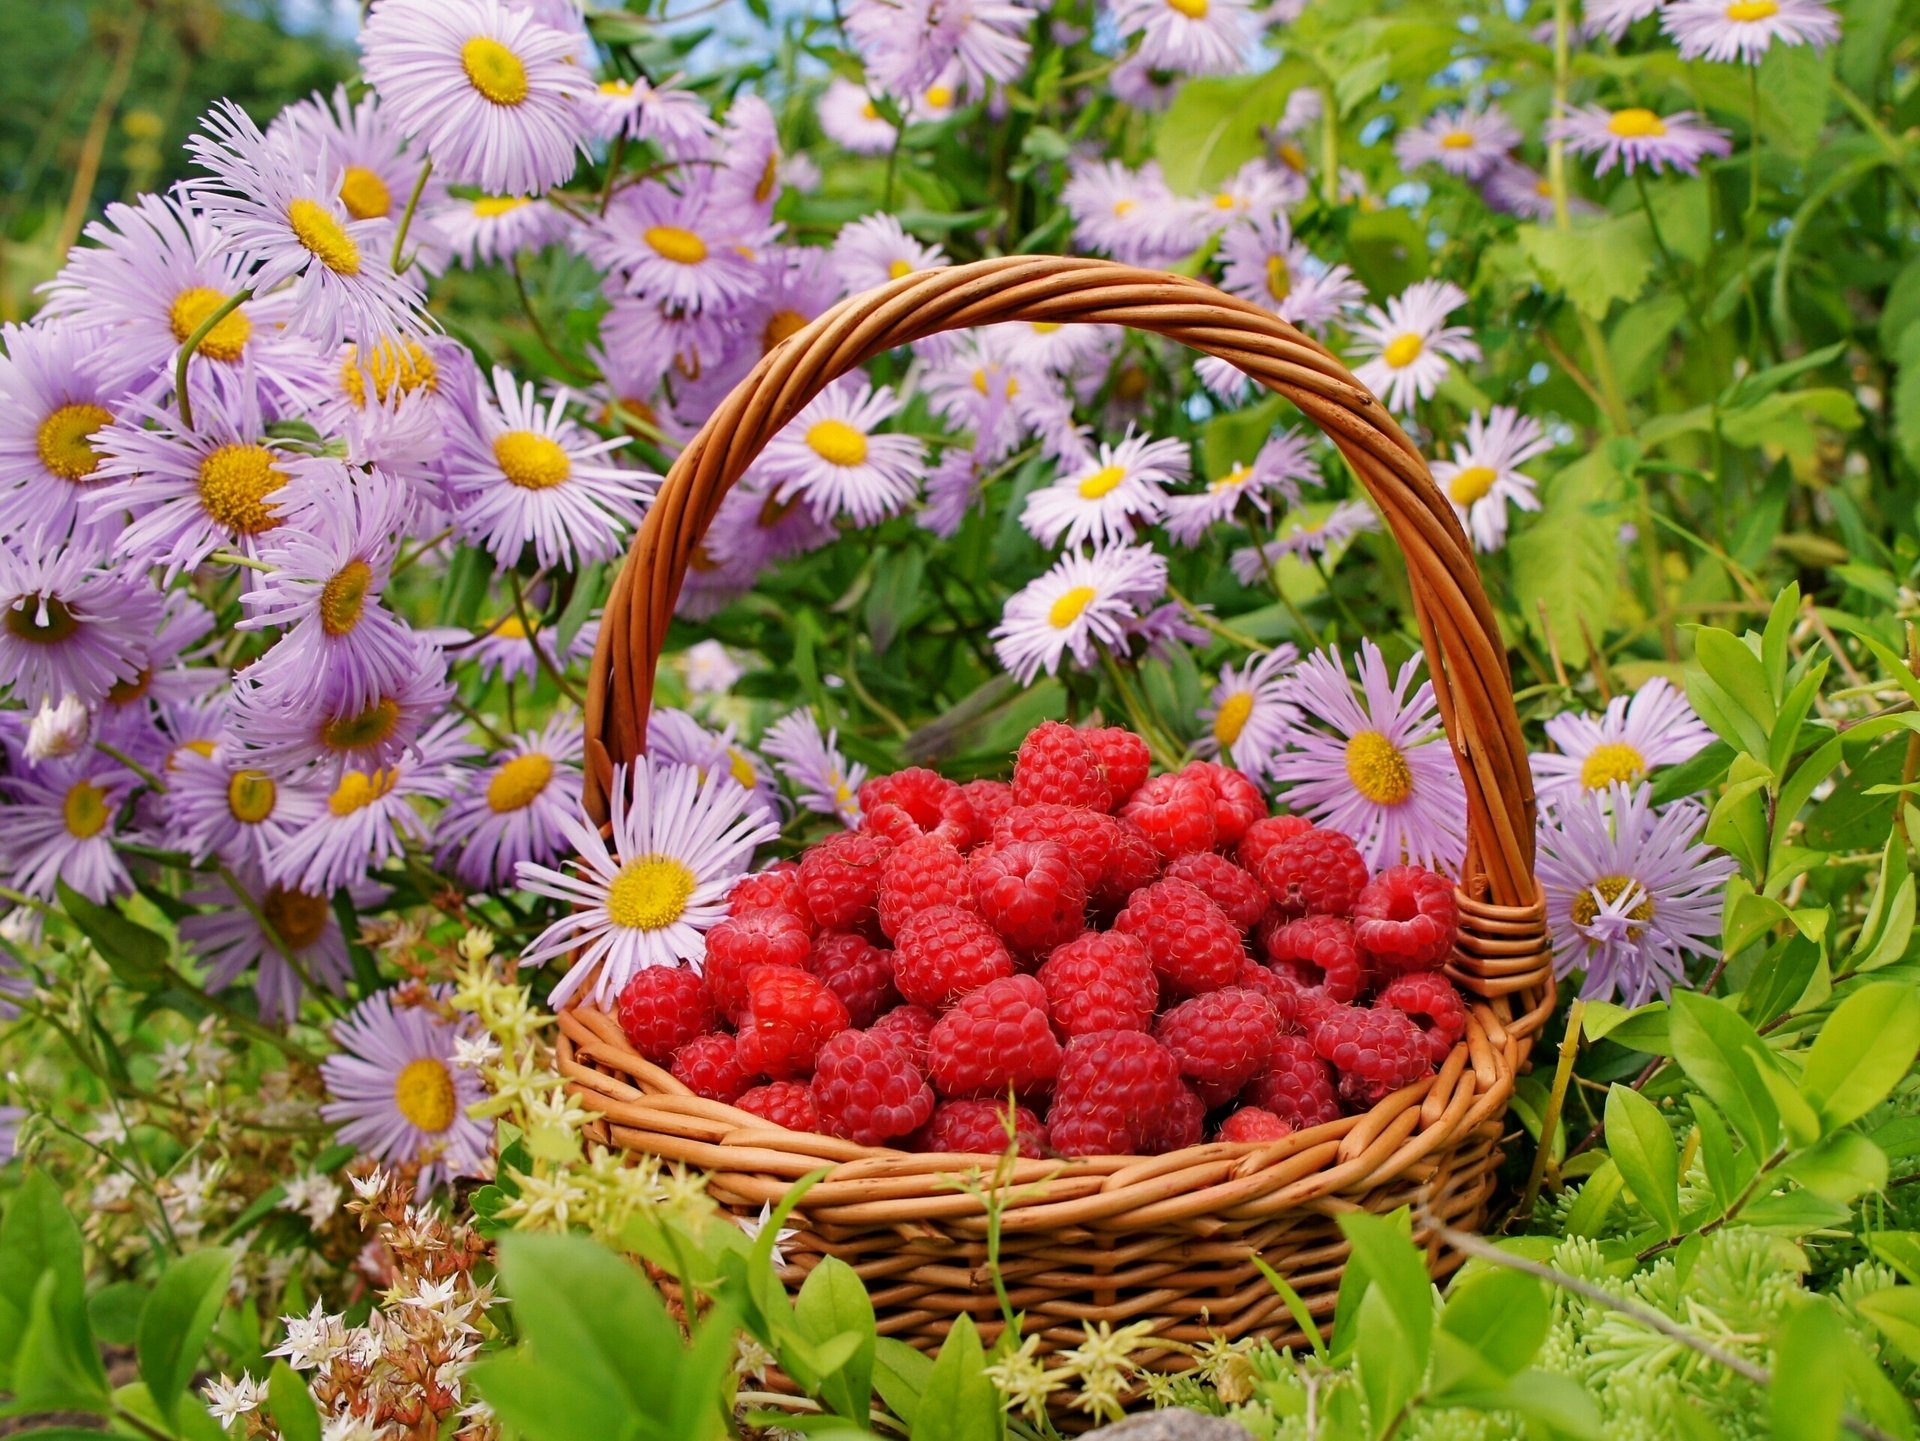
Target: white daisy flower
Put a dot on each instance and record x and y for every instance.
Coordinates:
(1198, 37)
(1483, 479)
(1248, 715)
(1119, 211)
(1107, 498)
(831, 455)
(852, 121)
(874, 249)
(1283, 465)
(1086, 600)
(1655, 726)
(1410, 344)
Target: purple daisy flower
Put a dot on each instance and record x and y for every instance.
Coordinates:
(1637, 136)
(218, 805)
(1086, 601)
(1409, 343)
(674, 119)
(279, 932)
(60, 827)
(1266, 265)
(1655, 726)
(55, 398)
(1746, 29)
(954, 484)
(686, 249)
(875, 249)
(1249, 714)
(516, 808)
(832, 456)
(908, 44)
(1108, 496)
(1283, 465)
(851, 120)
(377, 175)
(1196, 37)
(488, 228)
(647, 341)
(747, 177)
(1466, 141)
(822, 780)
(676, 738)
(1304, 535)
(282, 734)
(505, 648)
(1483, 479)
(1613, 18)
(1519, 190)
(68, 628)
(1114, 209)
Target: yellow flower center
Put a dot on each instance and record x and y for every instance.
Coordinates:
(227, 340)
(869, 111)
(405, 366)
(494, 70)
(518, 783)
(1232, 480)
(939, 97)
(235, 481)
(1232, 717)
(492, 207)
(513, 628)
(1045, 327)
(649, 893)
(358, 790)
(1470, 483)
(1102, 482)
(742, 768)
(616, 87)
(779, 326)
(344, 597)
(1122, 206)
(763, 187)
(532, 462)
(1636, 124)
(251, 796)
(980, 383)
(670, 242)
(126, 692)
(423, 1095)
(296, 917)
(899, 268)
(62, 440)
(199, 748)
(85, 810)
(1457, 140)
(1066, 610)
(1192, 9)
(1223, 201)
(1586, 908)
(325, 238)
(365, 728)
(1403, 351)
(1378, 769)
(1279, 277)
(1747, 11)
(365, 194)
(1609, 762)
(1292, 156)
(837, 443)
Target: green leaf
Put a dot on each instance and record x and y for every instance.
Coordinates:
(176, 1321)
(38, 1238)
(1296, 1306)
(1642, 1147)
(1391, 1264)
(959, 1402)
(1501, 1314)
(1809, 1369)
(1896, 1311)
(1840, 1168)
(1782, 978)
(290, 1405)
(1595, 265)
(698, 1406)
(1738, 671)
(1720, 1052)
(55, 1369)
(1726, 1172)
(833, 1303)
(113, 1312)
(1567, 563)
(1383, 1355)
(542, 1403)
(135, 954)
(900, 1375)
(1861, 1053)
(1588, 1214)
(1215, 124)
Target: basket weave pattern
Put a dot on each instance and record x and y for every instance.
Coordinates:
(1167, 1238)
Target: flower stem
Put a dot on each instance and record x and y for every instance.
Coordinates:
(201, 332)
(400, 266)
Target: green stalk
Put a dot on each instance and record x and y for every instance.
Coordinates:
(201, 332)
(400, 267)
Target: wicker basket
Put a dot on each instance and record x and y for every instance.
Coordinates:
(1168, 1238)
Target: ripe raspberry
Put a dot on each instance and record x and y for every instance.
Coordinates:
(1222, 1040)
(1296, 1001)
(1266, 836)
(1101, 981)
(1237, 802)
(1124, 761)
(1431, 995)
(1030, 893)
(916, 802)
(858, 972)
(785, 1103)
(662, 1008)
(993, 1039)
(1251, 1123)
(921, 873)
(943, 953)
(980, 1128)
(1323, 947)
(1183, 1124)
(1090, 837)
(1193, 946)
(1376, 1052)
(1237, 893)
(738, 944)
(867, 1090)
(990, 801)
(790, 1015)
(1318, 872)
(1407, 919)
(1297, 1086)
(774, 889)
(1176, 812)
(1090, 1131)
(909, 1027)
(1134, 863)
(1057, 766)
(710, 1066)
(1114, 1089)
(840, 877)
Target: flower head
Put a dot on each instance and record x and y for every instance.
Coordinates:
(69, 628)
(1109, 495)
(55, 398)
(1745, 30)
(874, 249)
(257, 923)
(674, 119)
(1266, 265)
(1120, 211)
(1653, 727)
(61, 823)
(1087, 600)
(1249, 714)
(516, 808)
(852, 121)
(1410, 343)
(1279, 470)
(483, 229)
(820, 776)
(1464, 142)
(283, 732)
(218, 805)
(909, 44)
(687, 248)
(833, 456)
(1483, 479)
(1199, 37)
(1637, 136)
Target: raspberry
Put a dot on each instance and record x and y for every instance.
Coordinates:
(790, 1015)
(1265, 836)
(1297, 1085)
(1192, 945)
(738, 944)
(1429, 994)
(775, 889)
(662, 1008)
(785, 1103)
(710, 1066)
(1251, 1123)
(840, 877)
(1030, 893)
(1134, 863)
(1296, 1002)
(1090, 1131)
(1101, 981)
(868, 1091)
(916, 802)
(980, 1127)
(1090, 837)
(908, 1027)
(1376, 1052)
(990, 801)
(995, 1039)
(1114, 1089)
(923, 872)
(1324, 947)
(1318, 872)
(1407, 919)
(1237, 893)
(1176, 812)
(1124, 760)
(1057, 766)
(1183, 1124)
(1222, 1040)
(945, 952)
(858, 972)
(1237, 802)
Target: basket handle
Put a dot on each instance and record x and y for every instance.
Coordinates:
(1463, 645)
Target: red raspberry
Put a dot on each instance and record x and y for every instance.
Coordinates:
(1297, 1085)
(1222, 1040)
(1030, 893)
(868, 1091)
(738, 944)
(1375, 1051)
(980, 1128)
(1134, 863)
(990, 801)
(1251, 1123)
(1429, 994)
(1176, 812)
(943, 953)
(790, 1015)
(1124, 761)
(1323, 947)
(858, 972)
(1101, 981)
(774, 889)
(1090, 1131)
(1318, 872)
(1057, 766)
(994, 1039)
(1296, 1001)
(1237, 802)
(1090, 837)
(1184, 1123)
(1238, 894)
(1114, 1090)
(662, 1008)
(909, 1027)
(840, 877)
(1266, 836)
(785, 1103)
(1407, 919)
(1192, 945)
(916, 802)
(710, 1066)
(923, 872)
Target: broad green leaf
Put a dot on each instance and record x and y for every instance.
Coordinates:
(1501, 1314)
(1393, 1265)
(540, 1403)
(38, 1238)
(54, 1369)
(135, 954)
(1642, 1147)
(1861, 1053)
(1720, 1052)
(1794, 1213)
(1737, 670)
(1216, 124)
(833, 1303)
(1594, 265)
(1591, 1208)
(1566, 561)
(1726, 1172)
(900, 1375)
(1896, 1311)
(1809, 1372)
(1900, 1250)
(698, 1407)
(1840, 1168)
(290, 1405)
(959, 1402)
(1782, 978)
(1384, 1356)
(176, 1321)
(1778, 633)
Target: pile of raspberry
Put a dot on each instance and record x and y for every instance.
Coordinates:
(1145, 963)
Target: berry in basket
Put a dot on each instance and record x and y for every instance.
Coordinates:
(1141, 962)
